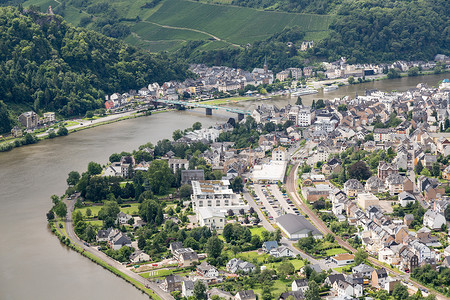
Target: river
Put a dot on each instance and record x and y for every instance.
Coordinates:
(34, 265)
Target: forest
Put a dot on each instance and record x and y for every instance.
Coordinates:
(47, 64)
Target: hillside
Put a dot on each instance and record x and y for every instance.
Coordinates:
(169, 24)
(47, 64)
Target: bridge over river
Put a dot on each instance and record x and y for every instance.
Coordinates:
(208, 108)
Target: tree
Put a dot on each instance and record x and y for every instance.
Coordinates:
(55, 199)
(436, 169)
(228, 232)
(73, 178)
(351, 80)
(62, 131)
(151, 212)
(94, 168)
(418, 168)
(320, 104)
(50, 215)
(414, 71)
(160, 176)
(88, 212)
(286, 268)
(115, 157)
(400, 292)
(199, 290)
(109, 210)
(425, 172)
(360, 256)
(237, 184)
(177, 134)
(89, 114)
(312, 293)
(60, 209)
(369, 137)
(359, 170)
(185, 191)
(299, 101)
(197, 126)
(230, 213)
(214, 247)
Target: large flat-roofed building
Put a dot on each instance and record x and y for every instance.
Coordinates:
(215, 194)
(365, 200)
(271, 172)
(297, 227)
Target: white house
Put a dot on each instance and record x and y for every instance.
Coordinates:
(300, 285)
(404, 198)
(281, 252)
(214, 219)
(139, 256)
(206, 270)
(123, 218)
(187, 288)
(433, 220)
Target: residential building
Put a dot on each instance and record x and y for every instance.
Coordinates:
(235, 265)
(206, 270)
(300, 285)
(385, 169)
(245, 295)
(29, 119)
(139, 256)
(187, 288)
(178, 164)
(187, 176)
(353, 187)
(433, 220)
(212, 218)
(216, 194)
(379, 278)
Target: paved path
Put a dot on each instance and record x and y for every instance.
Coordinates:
(111, 262)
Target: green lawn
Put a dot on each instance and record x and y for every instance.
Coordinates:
(279, 287)
(334, 251)
(257, 230)
(94, 210)
(156, 273)
(132, 210)
(250, 256)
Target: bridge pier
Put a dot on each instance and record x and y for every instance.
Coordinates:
(240, 117)
(208, 111)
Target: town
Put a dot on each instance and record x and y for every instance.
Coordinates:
(343, 199)
(219, 82)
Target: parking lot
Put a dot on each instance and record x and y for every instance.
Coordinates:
(273, 202)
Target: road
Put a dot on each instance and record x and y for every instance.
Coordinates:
(111, 262)
(292, 189)
(83, 124)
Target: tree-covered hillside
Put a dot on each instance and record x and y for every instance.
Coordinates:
(47, 64)
(388, 30)
(362, 30)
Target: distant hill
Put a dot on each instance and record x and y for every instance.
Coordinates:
(167, 25)
(47, 64)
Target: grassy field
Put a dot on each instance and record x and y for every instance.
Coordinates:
(131, 210)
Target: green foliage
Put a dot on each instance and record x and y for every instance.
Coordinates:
(185, 191)
(360, 256)
(428, 275)
(388, 30)
(160, 176)
(108, 211)
(60, 209)
(418, 168)
(359, 170)
(73, 178)
(214, 247)
(199, 290)
(286, 268)
(151, 212)
(237, 184)
(94, 168)
(48, 64)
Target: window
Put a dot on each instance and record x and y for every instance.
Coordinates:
(209, 203)
(200, 203)
(217, 202)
